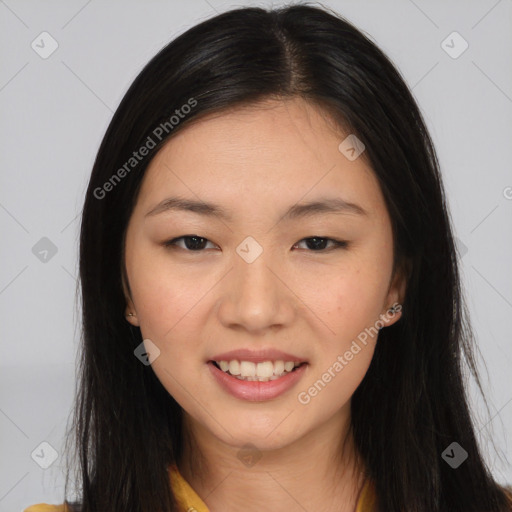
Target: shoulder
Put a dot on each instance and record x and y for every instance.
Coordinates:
(43, 507)
(367, 501)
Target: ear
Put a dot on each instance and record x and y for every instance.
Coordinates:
(396, 295)
(130, 312)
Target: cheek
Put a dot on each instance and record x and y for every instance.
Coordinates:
(168, 309)
(163, 296)
(333, 386)
(337, 374)
(353, 300)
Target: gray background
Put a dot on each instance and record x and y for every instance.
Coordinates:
(55, 112)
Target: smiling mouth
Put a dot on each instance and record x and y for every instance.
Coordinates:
(260, 372)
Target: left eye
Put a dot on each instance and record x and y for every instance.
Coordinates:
(319, 243)
(315, 243)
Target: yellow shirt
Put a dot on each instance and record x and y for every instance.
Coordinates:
(189, 501)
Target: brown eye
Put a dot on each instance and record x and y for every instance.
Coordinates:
(192, 243)
(318, 244)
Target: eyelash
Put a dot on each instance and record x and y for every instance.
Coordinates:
(338, 244)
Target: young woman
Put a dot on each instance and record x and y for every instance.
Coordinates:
(272, 307)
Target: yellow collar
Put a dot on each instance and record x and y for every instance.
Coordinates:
(189, 500)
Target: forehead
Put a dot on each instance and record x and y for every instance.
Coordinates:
(267, 154)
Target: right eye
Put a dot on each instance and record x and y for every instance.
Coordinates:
(192, 243)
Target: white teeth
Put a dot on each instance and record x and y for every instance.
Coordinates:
(234, 367)
(247, 369)
(265, 369)
(278, 367)
(288, 366)
(262, 372)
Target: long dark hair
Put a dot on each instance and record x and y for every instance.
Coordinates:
(412, 403)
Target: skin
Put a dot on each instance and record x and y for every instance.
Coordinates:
(258, 161)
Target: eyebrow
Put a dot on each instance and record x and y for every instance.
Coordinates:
(332, 205)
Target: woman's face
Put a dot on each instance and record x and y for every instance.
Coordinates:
(263, 276)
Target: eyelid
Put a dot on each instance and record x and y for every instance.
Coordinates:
(172, 243)
(336, 243)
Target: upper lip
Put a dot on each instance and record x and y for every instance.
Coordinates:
(257, 356)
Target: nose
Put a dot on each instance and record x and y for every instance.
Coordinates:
(256, 298)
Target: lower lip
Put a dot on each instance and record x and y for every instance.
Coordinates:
(253, 390)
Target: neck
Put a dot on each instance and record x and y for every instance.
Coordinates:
(320, 471)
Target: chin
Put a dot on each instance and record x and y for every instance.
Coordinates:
(270, 435)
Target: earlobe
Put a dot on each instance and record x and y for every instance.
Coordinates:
(132, 318)
(391, 315)
(130, 314)
(395, 298)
